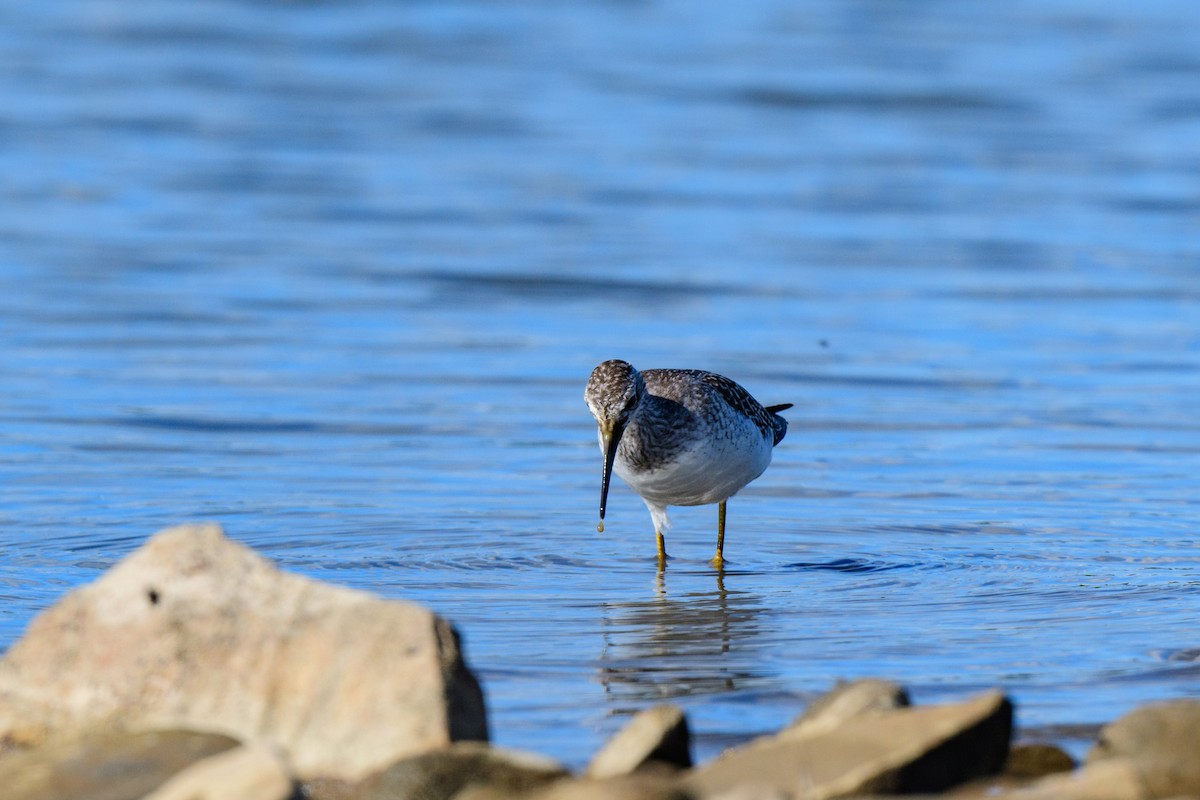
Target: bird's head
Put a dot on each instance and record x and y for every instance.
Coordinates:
(613, 392)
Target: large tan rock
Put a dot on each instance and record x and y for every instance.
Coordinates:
(909, 750)
(195, 631)
(658, 734)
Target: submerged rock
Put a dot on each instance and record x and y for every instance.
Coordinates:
(195, 631)
(655, 735)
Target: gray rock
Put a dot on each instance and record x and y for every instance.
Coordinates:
(654, 735)
(445, 773)
(107, 765)
(908, 750)
(250, 772)
(195, 631)
(1027, 761)
(846, 701)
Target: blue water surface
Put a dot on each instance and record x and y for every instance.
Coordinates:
(334, 275)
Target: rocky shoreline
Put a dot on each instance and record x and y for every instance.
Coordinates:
(195, 670)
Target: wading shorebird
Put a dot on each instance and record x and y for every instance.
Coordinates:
(680, 437)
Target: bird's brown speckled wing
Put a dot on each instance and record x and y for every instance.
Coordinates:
(745, 404)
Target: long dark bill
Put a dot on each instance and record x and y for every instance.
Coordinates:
(610, 455)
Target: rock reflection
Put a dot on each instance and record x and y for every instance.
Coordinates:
(700, 642)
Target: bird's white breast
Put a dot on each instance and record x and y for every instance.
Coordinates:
(710, 470)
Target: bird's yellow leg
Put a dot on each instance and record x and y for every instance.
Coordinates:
(662, 550)
(718, 561)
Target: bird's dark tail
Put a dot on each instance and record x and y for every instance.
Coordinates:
(778, 422)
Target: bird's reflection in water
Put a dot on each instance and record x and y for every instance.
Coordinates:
(667, 646)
